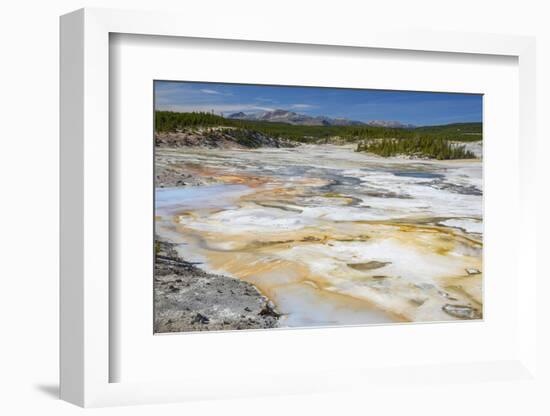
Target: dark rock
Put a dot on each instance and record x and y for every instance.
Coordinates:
(462, 311)
(269, 310)
(201, 319)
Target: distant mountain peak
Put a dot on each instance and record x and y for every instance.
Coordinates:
(280, 112)
(290, 117)
(240, 114)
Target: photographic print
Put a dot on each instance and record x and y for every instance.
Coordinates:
(297, 207)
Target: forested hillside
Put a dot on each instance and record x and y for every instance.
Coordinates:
(430, 141)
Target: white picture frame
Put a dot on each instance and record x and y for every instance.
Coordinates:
(85, 210)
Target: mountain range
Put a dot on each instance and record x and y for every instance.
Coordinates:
(291, 117)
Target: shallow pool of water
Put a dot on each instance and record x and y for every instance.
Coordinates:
(420, 175)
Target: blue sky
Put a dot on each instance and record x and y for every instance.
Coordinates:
(419, 108)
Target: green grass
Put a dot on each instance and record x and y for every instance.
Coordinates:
(465, 132)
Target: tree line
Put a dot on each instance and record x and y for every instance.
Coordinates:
(430, 147)
(431, 141)
(166, 121)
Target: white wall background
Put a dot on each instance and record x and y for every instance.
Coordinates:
(29, 208)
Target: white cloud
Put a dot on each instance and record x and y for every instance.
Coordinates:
(207, 91)
(302, 106)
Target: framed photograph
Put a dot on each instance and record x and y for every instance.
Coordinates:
(295, 207)
(291, 207)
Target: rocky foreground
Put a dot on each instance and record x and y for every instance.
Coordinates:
(169, 173)
(219, 137)
(189, 299)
